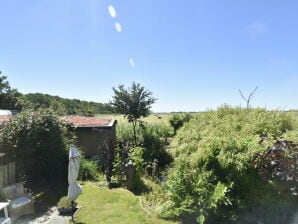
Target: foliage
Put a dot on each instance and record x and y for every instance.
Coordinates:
(150, 137)
(134, 102)
(136, 155)
(154, 198)
(4, 85)
(213, 175)
(64, 106)
(8, 96)
(88, 170)
(178, 119)
(153, 141)
(39, 142)
(64, 202)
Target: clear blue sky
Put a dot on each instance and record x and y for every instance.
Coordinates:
(193, 55)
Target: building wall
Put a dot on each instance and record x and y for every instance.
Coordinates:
(94, 141)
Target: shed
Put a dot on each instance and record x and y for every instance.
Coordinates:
(96, 135)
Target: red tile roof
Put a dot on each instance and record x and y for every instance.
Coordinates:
(81, 121)
(4, 119)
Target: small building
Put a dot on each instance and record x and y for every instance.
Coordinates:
(96, 135)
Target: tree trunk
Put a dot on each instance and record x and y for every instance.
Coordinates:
(134, 123)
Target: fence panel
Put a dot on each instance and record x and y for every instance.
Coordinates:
(7, 174)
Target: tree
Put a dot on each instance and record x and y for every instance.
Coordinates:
(38, 141)
(4, 85)
(134, 102)
(9, 98)
(250, 96)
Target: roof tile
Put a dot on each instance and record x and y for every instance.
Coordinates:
(81, 121)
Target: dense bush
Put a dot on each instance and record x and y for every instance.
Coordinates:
(64, 202)
(213, 175)
(38, 141)
(88, 170)
(153, 142)
(151, 137)
(135, 154)
(177, 120)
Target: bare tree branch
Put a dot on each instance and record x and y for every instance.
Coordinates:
(242, 96)
(250, 97)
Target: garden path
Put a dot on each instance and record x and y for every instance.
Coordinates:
(51, 217)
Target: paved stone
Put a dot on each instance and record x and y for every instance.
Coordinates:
(51, 217)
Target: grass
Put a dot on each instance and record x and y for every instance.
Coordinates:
(294, 115)
(111, 206)
(162, 118)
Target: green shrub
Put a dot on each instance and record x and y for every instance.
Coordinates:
(178, 120)
(39, 142)
(213, 175)
(64, 202)
(151, 137)
(136, 155)
(88, 170)
(154, 143)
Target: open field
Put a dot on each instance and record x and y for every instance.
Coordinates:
(162, 118)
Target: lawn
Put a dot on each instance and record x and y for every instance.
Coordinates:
(111, 206)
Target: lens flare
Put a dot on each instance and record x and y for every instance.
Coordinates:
(112, 11)
(118, 27)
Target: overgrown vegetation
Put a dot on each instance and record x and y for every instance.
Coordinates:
(151, 145)
(38, 141)
(177, 120)
(89, 170)
(231, 165)
(214, 173)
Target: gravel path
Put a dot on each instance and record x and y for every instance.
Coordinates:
(51, 217)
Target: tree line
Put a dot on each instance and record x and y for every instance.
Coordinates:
(12, 99)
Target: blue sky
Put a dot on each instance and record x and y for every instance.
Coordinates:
(193, 55)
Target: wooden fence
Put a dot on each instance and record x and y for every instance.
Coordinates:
(7, 174)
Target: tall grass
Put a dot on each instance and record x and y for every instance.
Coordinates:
(125, 130)
(151, 119)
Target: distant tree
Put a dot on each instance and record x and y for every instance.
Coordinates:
(38, 141)
(134, 102)
(4, 85)
(65, 106)
(9, 98)
(249, 98)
